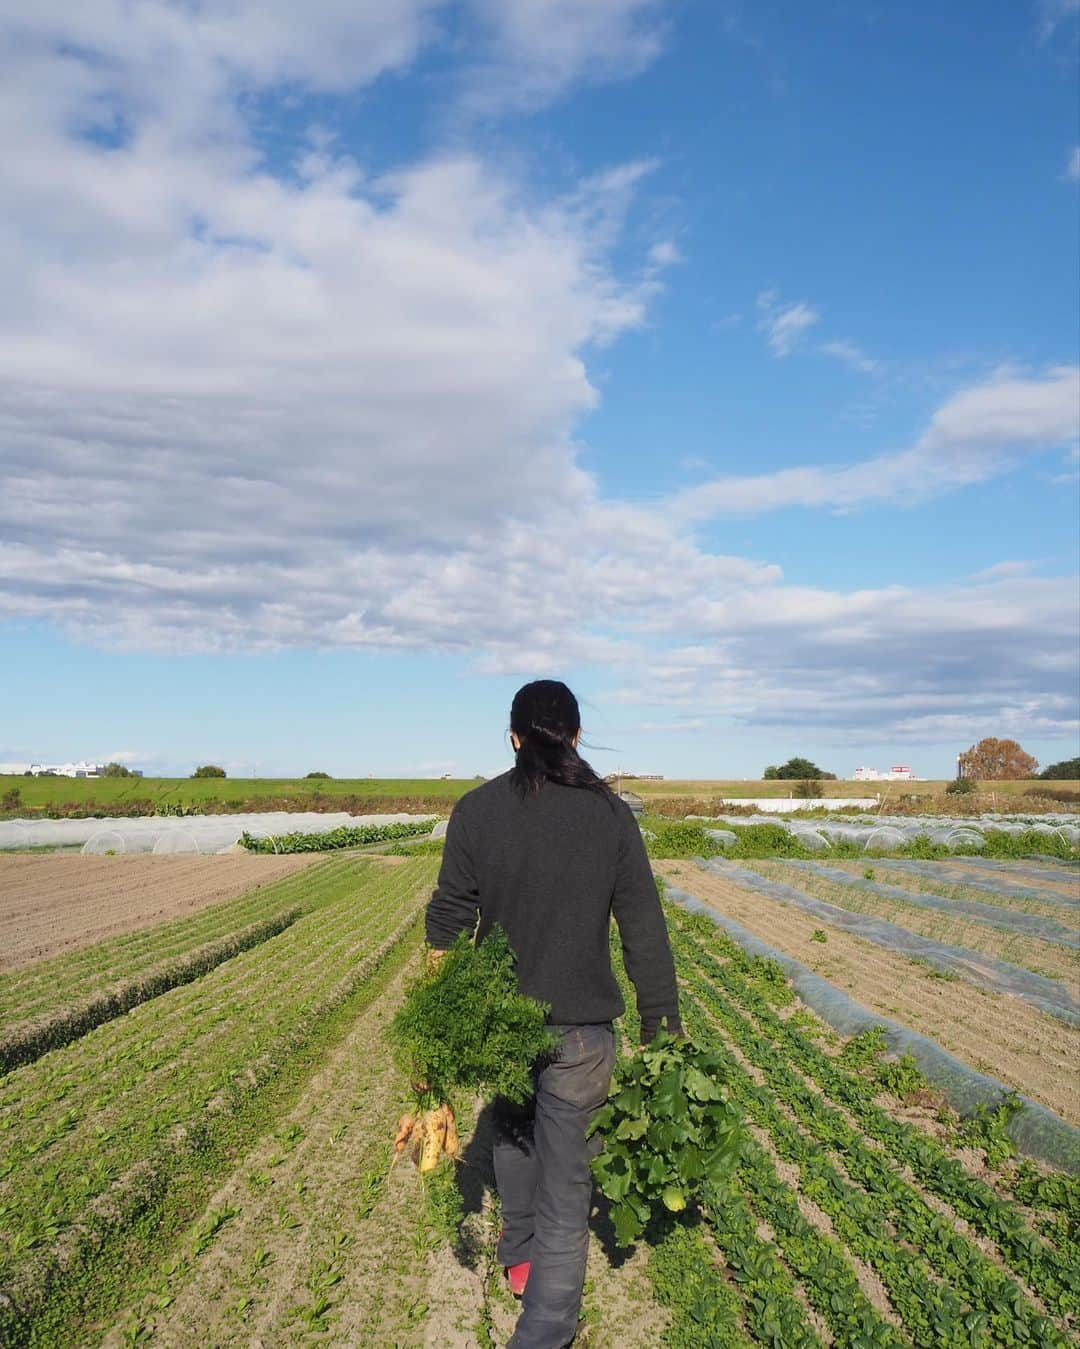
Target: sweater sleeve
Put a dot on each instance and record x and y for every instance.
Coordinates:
(646, 949)
(455, 903)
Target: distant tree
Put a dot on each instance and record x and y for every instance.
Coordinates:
(809, 788)
(771, 773)
(798, 768)
(1068, 770)
(116, 770)
(316, 775)
(961, 787)
(209, 770)
(996, 760)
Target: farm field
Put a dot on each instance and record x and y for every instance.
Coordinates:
(991, 1031)
(214, 1167)
(41, 792)
(1008, 793)
(51, 902)
(111, 794)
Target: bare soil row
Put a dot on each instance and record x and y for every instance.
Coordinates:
(50, 903)
(994, 1033)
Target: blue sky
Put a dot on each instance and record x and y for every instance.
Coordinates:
(361, 362)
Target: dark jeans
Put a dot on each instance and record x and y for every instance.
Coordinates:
(542, 1169)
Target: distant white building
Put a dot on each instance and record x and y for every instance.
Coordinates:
(897, 773)
(66, 770)
(14, 769)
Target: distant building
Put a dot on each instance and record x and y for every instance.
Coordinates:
(897, 773)
(66, 770)
(14, 769)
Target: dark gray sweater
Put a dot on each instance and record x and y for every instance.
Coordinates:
(551, 868)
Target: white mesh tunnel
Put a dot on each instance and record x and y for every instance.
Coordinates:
(184, 834)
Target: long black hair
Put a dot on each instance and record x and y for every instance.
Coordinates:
(546, 719)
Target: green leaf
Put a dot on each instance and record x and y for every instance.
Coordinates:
(628, 1226)
(699, 1086)
(629, 1099)
(668, 1098)
(632, 1128)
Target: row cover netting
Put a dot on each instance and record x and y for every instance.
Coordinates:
(1010, 920)
(884, 833)
(1048, 995)
(937, 871)
(184, 834)
(1036, 1131)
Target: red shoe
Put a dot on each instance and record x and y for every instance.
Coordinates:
(518, 1276)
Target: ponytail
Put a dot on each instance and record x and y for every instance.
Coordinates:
(546, 720)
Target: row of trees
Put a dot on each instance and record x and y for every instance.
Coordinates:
(212, 770)
(990, 760)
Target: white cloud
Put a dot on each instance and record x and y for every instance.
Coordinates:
(916, 666)
(976, 434)
(664, 254)
(1052, 13)
(247, 411)
(1072, 167)
(538, 48)
(784, 325)
(851, 354)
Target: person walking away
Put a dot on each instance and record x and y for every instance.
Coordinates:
(549, 852)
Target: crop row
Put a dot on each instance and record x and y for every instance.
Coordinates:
(91, 1179)
(52, 984)
(773, 1045)
(28, 1040)
(885, 1224)
(227, 1036)
(850, 891)
(686, 838)
(771, 1308)
(345, 836)
(55, 1085)
(75, 1089)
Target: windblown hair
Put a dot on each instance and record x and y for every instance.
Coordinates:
(545, 717)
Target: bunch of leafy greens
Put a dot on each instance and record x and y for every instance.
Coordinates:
(468, 1026)
(670, 1133)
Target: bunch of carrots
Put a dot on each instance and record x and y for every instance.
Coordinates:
(432, 1134)
(464, 1026)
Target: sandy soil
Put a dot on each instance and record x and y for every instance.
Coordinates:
(50, 902)
(996, 1034)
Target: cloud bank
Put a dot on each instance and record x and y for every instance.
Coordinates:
(246, 406)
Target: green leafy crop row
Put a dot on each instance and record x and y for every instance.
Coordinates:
(49, 986)
(688, 838)
(93, 1136)
(776, 1048)
(28, 1040)
(345, 836)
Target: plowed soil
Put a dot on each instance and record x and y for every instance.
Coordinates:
(996, 1034)
(51, 903)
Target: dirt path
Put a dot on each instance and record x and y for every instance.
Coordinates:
(51, 902)
(996, 1034)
